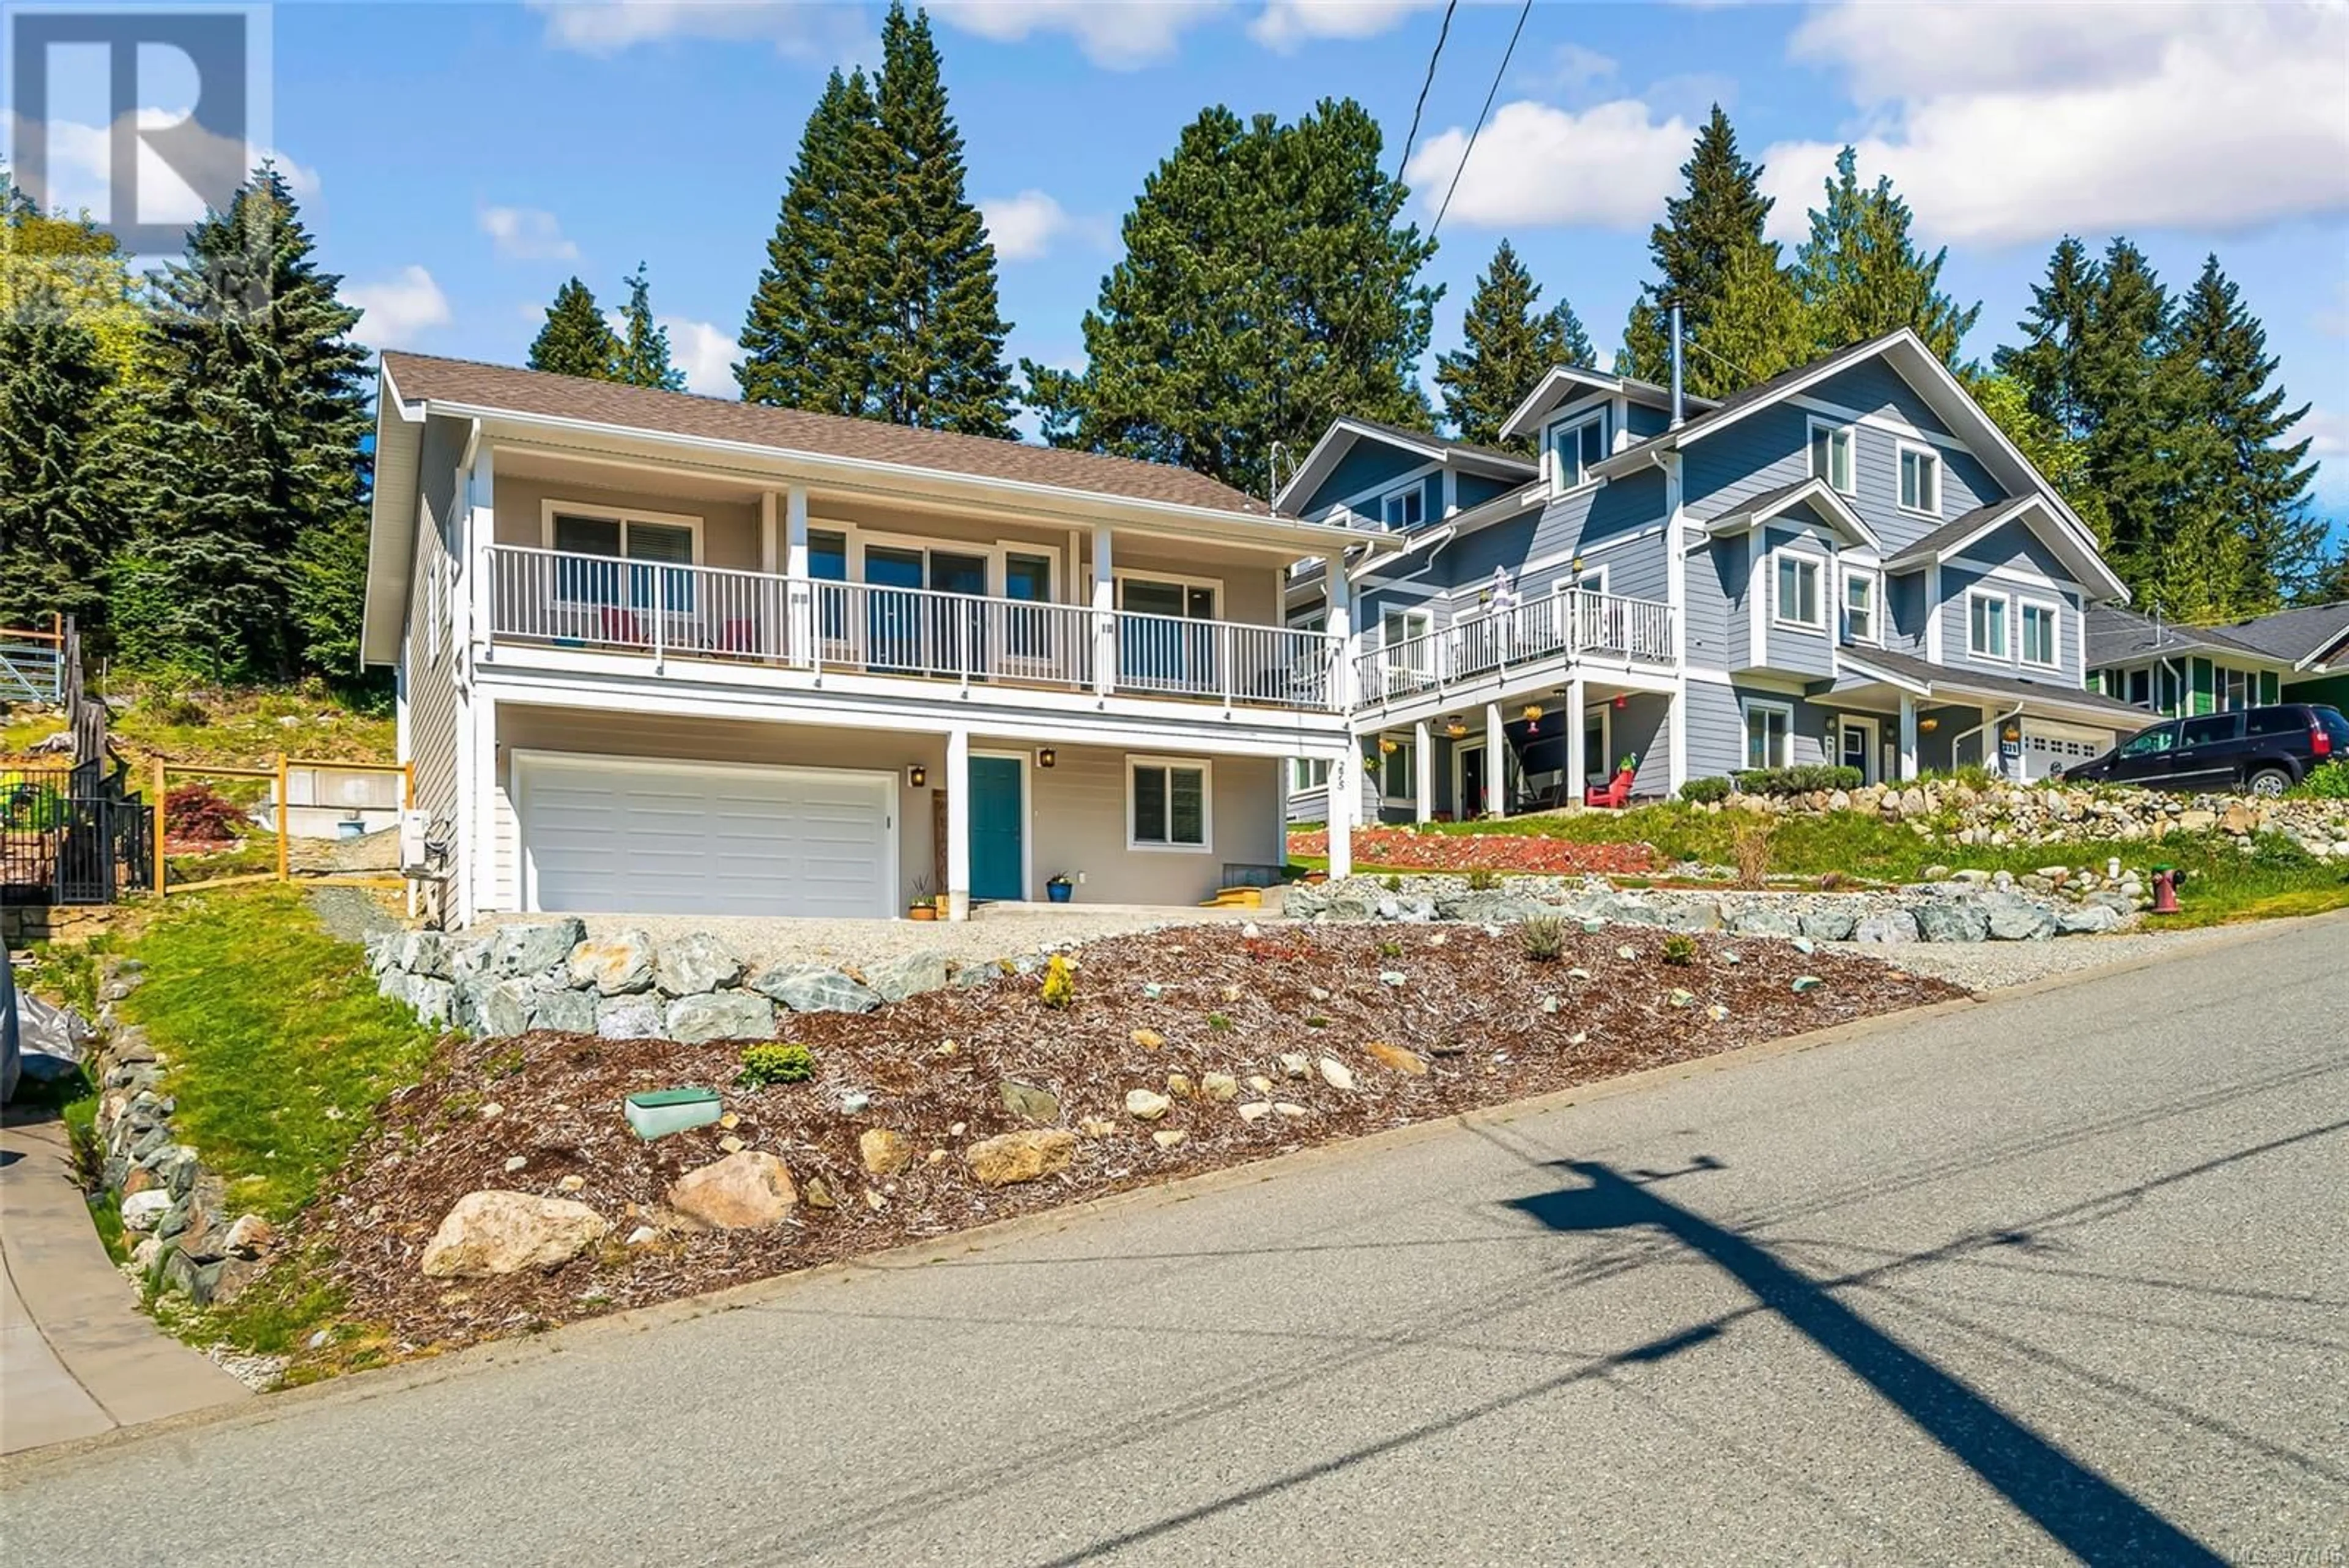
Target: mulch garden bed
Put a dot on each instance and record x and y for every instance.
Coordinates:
(1403, 849)
(1471, 1004)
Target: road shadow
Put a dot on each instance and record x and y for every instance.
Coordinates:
(2096, 1521)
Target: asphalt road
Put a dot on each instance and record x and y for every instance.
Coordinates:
(2062, 1271)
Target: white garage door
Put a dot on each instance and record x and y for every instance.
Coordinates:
(605, 836)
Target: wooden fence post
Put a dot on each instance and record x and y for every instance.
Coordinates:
(160, 825)
(285, 855)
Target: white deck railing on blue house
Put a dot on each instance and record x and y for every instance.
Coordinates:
(1491, 643)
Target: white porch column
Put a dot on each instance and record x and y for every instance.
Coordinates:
(1423, 770)
(1345, 800)
(767, 556)
(1907, 736)
(1496, 768)
(957, 786)
(1338, 597)
(1104, 612)
(800, 592)
(1990, 758)
(481, 531)
(1576, 724)
(480, 837)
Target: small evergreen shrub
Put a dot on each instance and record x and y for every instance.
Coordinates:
(1391, 883)
(2330, 782)
(1059, 981)
(1542, 937)
(1803, 778)
(1481, 881)
(770, 1063)
(1679, 950)
(1705, 791)
(1218, 1021)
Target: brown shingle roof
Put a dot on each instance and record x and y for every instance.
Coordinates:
(424, 377)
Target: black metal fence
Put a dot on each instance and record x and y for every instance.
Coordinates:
(72, 835)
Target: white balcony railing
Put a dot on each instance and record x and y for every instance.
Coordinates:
(1561, 626)
(707, 612)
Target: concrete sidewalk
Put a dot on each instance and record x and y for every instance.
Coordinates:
(76, 1355)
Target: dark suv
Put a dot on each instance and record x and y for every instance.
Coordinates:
(2263, 749)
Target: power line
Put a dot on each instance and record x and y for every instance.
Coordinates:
(1494, 91)
(1441, 34)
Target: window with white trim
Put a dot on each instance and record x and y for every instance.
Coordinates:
(1800, 603)
(1576, 446)
(1406, 508)
(2041, 627)
(1166, 802)
(2238, 690)
(1398, 769)
(1831, 456)
(1859, 607)
(1308, 773)
(616, 537)
(1769, 734)
(1986, 625)
(1920, 480)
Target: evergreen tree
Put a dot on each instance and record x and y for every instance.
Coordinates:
(808, 338)
(1861, 275)
(2060, 457)
(937, 332)
(1703, 233)
(2046, 366)
(61, 494)
(1266, 288)
(2131, 404)
(1757, 325)
(1510, 348)
(259, 414)
(643, 358)
(577, 340)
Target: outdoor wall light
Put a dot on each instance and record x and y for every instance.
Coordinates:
(1454, 727)
(1386, 744)
(917, 775)
(1045, 756)
(2011, 732)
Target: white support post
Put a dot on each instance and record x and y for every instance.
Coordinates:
(1992, 758)
(1338, 597)
(958, 783)
(1907, 737)
(767, 556)
(1423, 770)
(481, 843)
(479, 533)
(1497, 765)
(1575, 728)
(1345, 799)
(1104, 612)
(798, 591)
(1676, 597)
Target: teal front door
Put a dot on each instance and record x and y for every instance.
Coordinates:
(998, 859)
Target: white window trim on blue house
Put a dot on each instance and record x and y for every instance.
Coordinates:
(1840, 435)
(1768, 708)
(2054, 610)
(1929, 468)
(2004, 652)
(1554, 449)
(1396, 506)
(1872, 580)
(1782, 560)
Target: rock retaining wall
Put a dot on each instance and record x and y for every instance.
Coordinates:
(2003, 814)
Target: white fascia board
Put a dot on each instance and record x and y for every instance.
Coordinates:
(1341, 434)
(1858, 663)
(772, 464)
(2089, 571)
(391, 524)
(1539, 401)
(1815, 491)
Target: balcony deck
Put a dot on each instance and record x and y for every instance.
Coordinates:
(662, 612)
(1488, 653)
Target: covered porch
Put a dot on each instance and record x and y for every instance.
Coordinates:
(1538, 749)
(1897, 716)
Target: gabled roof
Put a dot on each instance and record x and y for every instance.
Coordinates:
(2301, 638)
(1564, 383)
(474, 386)
(1922, 370)
(1823, 499)
(2117, 636)
(2035, 513)
(1346, 430)
(1923, 679)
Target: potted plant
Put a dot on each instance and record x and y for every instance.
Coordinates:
(1061, 889)
(923, 907)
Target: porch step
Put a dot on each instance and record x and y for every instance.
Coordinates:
(1235, 899)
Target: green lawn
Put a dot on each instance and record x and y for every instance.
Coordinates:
(238, 727)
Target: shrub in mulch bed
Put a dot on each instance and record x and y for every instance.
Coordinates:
(1489, 1022)
(1406, 850)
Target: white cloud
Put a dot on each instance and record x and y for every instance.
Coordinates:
(2005, 124)
(2327, 433)
(80, 170)
(1117, 35)
(1028, 225)
(706, 355)
(395, 312)
(527, 233)
(1573, 67)
(1610, 166)
(1286, 25)
(825, 32)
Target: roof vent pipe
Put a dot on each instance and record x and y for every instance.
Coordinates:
(1677, 414)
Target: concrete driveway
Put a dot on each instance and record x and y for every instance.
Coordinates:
(2059, 1275)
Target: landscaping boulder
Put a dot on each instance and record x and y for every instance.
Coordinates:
(2015, 918)
(1692, 915)
(1014, 1156)
(1765, 921)
(618, 965)
(493, 1232)
(1887, 926)
(812, 987)
(504, 1006)
(743, 1191)
(695, 964)
(1146, 1105)
(1397, 1059)
(2089, 920)
(1830, 922)
(1952, 920)
(895, 980)
(883, 1151)
(628, 1017)
(418, 952)
(141, 1212)
(563, 1010)
(1028, 1102)
(432, 1001)
(720, 1015)
(532, 948)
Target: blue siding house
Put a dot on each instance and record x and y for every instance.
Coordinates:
(1848, 562)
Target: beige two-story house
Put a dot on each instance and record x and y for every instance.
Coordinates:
(663, 653)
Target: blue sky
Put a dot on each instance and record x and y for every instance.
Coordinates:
(460, 161)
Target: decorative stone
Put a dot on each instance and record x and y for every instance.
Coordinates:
(432, 1001)
(1295, 1064)
(1807, 982)
(1015, 1157)
(817, 1194)
(1393, 977)
(1627, 951)
(1146, 1105)
(141, 1212)
(1830, 923)
(516, 1162)
(642, 1235)
(494, 1232)
(885, 1152)
(1256, 1111)
(528, 949)
(1681, 997)
(720, 1015)
(1336, 1073)
(571, 1184)
(1179, 1085)
(1149, 1039)
(812, 987)
(1097, 1126)
(1952, 920)
(1765, 921)
(1718, 1012)
(2088, 919)
(730, 1144)
(504, 1006)
(1284, 1109)
(563, 1011)
(618, 965)
(695, 964)
(1887, 926)
(1028, 1102)
(1219, 1086)
(1168, 1138)
(2015, 918)
(747, 1189)
(628, 1017)
(1396, 1059)
(1258, 1083)
(896, 979)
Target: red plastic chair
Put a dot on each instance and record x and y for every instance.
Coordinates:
(620, 627)
(1615, 797)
